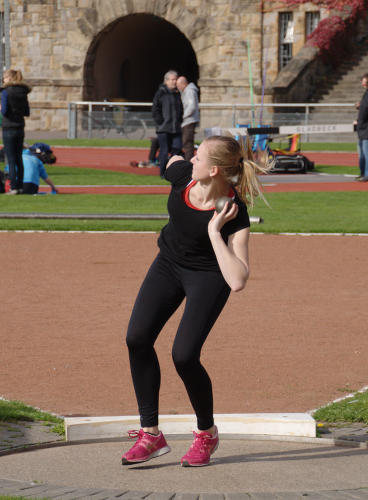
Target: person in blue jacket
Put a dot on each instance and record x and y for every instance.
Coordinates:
(34, 170)
(14, 107)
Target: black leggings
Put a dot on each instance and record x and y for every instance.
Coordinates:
(30, 188)
(13, 146)
(162, 291)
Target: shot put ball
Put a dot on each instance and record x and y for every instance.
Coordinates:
(220, 203)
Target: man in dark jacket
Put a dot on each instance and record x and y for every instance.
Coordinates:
(362, 130)
(167, 111)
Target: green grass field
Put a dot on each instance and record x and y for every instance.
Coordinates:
(63, 176)
(100, 143)
(12, 411)
(74, 176)
(352, 409)
(15, 411)
(336, 169)
(6, 497)
(145, 143)
(330, 212)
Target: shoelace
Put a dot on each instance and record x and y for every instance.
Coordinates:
(142, 439)
(135, 434)
(201, 442)
(139, 435)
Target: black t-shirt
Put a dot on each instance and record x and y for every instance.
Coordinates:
(185, 238)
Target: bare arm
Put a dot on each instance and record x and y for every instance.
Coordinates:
(233, 258)
(51, 184)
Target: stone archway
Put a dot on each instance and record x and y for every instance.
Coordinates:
(128, 58)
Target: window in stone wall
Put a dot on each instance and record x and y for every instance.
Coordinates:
(311, 22)
(286, 38)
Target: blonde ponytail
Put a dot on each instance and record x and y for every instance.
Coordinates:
(249, 185)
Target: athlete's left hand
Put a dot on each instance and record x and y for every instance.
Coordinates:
(218, 220)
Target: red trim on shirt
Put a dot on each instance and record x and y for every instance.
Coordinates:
(185, 196)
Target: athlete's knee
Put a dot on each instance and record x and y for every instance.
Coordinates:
(136, 340)
(184, 361)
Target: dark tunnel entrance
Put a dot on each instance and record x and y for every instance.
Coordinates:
(127, 60)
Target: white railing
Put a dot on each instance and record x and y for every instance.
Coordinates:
(134, 119)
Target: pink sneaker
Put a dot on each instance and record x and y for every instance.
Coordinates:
(146, 447)
(203, 446)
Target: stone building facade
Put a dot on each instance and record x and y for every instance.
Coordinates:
(73, 50)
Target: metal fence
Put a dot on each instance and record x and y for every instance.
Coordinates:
(134, 120)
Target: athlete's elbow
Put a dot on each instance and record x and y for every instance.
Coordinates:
(237, 288)
(239, 284)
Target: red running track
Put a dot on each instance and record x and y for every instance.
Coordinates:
(340, 158)
(120, 158)
(116, 159)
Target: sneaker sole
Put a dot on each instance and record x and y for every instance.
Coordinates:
(185, 463)
(158, 453)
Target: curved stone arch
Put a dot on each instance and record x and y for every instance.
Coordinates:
(185, 63)
(175, 11)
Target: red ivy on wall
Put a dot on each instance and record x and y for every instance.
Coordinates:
(329, 36)
(328, 4)
(332, 33)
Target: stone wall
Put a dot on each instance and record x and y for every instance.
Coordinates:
(301, 78)
(271, 36)
(50, 40)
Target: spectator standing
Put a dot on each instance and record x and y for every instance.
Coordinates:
(362, 130)
(167, 111)
(189, 97)
(14, 107)
(152, 157)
